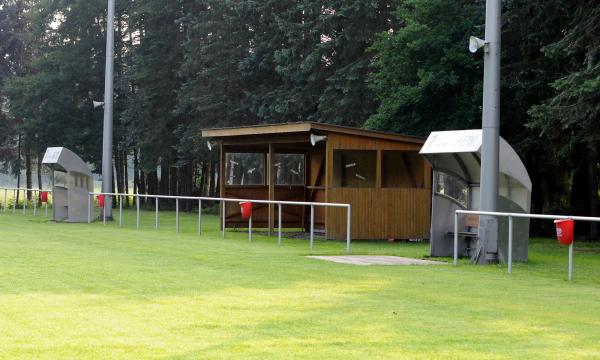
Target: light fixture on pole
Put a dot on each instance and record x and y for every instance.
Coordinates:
(97, 104)
(476, 43)
(107, 135)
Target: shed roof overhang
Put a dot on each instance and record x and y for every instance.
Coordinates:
(302, 131)
(459, 153)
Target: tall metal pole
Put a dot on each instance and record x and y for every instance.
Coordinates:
(107, 137)
(490, 126)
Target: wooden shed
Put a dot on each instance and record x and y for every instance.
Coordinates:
(380, 174)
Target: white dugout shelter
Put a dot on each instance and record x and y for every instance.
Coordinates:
(455, 157)
(71, 184)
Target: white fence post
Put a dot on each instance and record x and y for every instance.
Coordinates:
(279, 224)
(156, 213)
(120, 211)
(223, 214)
(177, 215)
(312, 227)
(571, 262)
(348, 228)
(510, 243)
(200, 217)
(455, 239)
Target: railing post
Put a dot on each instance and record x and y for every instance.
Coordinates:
(510, 243)
(223, 216)
(137, 211)
(24, 200)
(46, 206)
(312, 227)
(177, 215)
(156, 213)
(104, 212)
(199, 217)
(250, 228)
(14, 201)
(348, 228)
(571, 262)
(455, 238)
(279, 223)
(89, 208)
(34, 203)
(121, 211)
(5, 199)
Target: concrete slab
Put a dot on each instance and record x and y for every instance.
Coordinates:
(365, 260)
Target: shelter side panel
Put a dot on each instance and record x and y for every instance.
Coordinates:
(402, 213)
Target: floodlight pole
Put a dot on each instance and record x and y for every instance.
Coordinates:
(107, 137)
(490, 126)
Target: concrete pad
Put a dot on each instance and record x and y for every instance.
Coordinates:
(365, 260)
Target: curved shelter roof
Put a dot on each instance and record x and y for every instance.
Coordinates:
(63, 159)
(459, 153)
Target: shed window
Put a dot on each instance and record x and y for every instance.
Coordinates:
(402, 169)
(289, 169)
(354, 168)
(452, 187)
(245, 168)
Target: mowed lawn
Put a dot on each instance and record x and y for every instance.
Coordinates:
(92, 291)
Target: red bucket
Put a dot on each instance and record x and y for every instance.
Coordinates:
(44, 196)
(564, 231)
(100, 199)
(246, 208)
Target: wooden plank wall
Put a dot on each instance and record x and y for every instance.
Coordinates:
(377, 213)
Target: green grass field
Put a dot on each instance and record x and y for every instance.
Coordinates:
(92, 291)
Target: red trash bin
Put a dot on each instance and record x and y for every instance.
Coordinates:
(246, 208)
(564, 231)
(100, 199)
(44, 196)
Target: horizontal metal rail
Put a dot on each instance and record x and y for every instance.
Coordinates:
(510, 217)
(16, 191)
(279, 204)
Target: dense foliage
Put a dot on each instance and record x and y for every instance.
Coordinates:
(395, 65)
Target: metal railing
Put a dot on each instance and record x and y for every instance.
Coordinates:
(511, 216)
(16, 191)
(279, 204)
